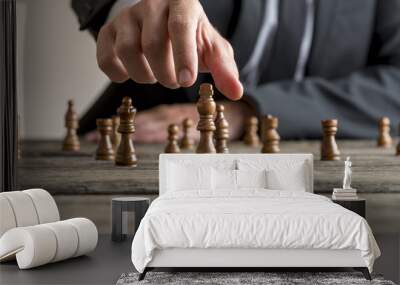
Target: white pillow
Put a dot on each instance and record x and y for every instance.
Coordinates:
(293, 179)
(188, 177)
(282, 174)
(251, 178)
(224, 179)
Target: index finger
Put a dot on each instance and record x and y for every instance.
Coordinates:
(221, 63)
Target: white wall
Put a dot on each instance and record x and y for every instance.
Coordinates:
(56, 62)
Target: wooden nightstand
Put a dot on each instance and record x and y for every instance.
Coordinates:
(357, 206)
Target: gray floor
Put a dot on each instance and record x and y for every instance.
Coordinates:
(110, 260)
(103, 266)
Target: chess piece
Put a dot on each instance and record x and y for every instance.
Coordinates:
(206, 108)
(329, 148)
(115, 136)
(384, 139)
(271, 137)
(222, 131)
(126, 155)
(251, 128)
(173, 134)
(104, 150)
(71, 140)
(187, 142)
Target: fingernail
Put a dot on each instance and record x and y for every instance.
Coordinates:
(185, 76)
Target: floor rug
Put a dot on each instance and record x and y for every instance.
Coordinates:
(244, 278)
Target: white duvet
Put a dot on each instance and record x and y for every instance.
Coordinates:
(250, 219)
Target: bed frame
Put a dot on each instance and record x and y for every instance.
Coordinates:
(246, 259)
(238, 259)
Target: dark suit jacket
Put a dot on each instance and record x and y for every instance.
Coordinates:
(353, 73)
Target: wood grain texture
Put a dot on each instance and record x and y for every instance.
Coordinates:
(375, 170)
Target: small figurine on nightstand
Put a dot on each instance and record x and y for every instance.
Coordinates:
(347, 174)
(345, 193)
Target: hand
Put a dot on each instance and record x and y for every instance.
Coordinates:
(151, 125)
(167, 41)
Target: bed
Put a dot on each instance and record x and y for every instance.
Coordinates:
(246, 211)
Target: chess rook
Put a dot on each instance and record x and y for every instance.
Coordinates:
(173, 135)
(271, 137)
(187, 142)
(206, 108)
(222, 131)
(126, 155)
(329, 148)
(384, 138)
(251, 128)
(115, 136)
(104, 150)
(71, 140)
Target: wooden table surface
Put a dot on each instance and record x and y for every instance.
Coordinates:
(44, 165)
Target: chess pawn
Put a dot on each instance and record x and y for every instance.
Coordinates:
(173, 135)
(115, 136)
(251, 128)
(71, 140)
(104, 150)
(222, 131)
(187, 142)
(329, 148)
(206, 108)
(271, 137)
(126, 155)
(384, 139)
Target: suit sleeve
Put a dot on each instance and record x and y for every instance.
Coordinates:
(357, 100)
(92, 14)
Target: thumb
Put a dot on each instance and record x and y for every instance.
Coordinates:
(219, 60)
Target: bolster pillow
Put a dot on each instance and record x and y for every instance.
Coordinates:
(26, 208)
(40, 244)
